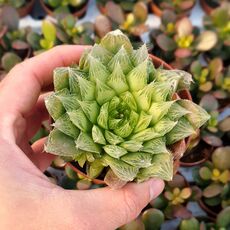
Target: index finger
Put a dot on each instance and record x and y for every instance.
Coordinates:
(23, 84)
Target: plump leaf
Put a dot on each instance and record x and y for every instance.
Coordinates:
(102, 118)
(155, 146)
(206, 41)
(98, 136)
(166, 43)
(132, 145)
(61, 78)
(140, 55)
(143, 122)
(112, 138)
(212, 190)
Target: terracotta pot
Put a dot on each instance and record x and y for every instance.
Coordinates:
(25, 10)
(206, 7)
(79, 13)
(158, 11)
(210, 210)
(179, 146)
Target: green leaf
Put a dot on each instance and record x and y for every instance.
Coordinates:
(64, 124)
(138, 159)
(132, 145)
(91, 110)
(98, 136)
(80, 120)
(123, 130)
(70, 102)
(114, 40)
(74, 74)
(61, 78)
(121, 58)
(117, 80)
(103, 92)
(112, 138)
(159, 110)
(160, 91)
(164, 126)
(123, 170)
(102, 118)
(145, 135)
(128, 98)
(155, 146)
(143, 122)
(60, 144)
(115, 151)
(87, 89)
(140, 55)
(137, 77)
(176, 112)
(182, 130)
(95, 169)
(48, 31)
(101, 53)
(86, 143)
(162, 167)
(97, 70)
(198, 115)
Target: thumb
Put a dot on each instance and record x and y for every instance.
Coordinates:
(114, 208)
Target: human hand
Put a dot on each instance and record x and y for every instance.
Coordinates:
(28, 199)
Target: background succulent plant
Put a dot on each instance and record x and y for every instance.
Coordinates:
(116, 110)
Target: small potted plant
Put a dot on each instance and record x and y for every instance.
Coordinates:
(180, 7)
(178, 42)
(98, 125)
(218, 21)
(210, 5)
(23, 7)
(76, 7)
(214, 178)
(132, 24)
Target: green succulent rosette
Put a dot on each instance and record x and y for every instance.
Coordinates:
(114, 113)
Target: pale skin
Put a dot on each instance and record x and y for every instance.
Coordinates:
(28, 199)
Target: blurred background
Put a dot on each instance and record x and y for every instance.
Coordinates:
(187, 34)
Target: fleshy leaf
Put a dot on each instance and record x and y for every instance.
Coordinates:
(132, 145)
(115, 151)
(60, 144)
(159, 109)
(143, 122)
(91, 110)
(70, 102)
(94, 169)
(61, 78)
(117, 80)
(145, 135)
(160, 91)
(182, 129)
(112, 138)
(123, 170)
(97, 70)
(87, 89)
(73, 80)
(176, 111)
(198, 115)
(101, 53)
(114, 40)
(121, 58)
(103, 92)
(164, 126)
(128, 98)
(84, 63)
(140, 55)
(137, 77)
(98, 136)
(124, 130)
(155, 146)
(102, 118)
(64, 124)
(86, 143)
(162, 167)
(80, 120)
(138, 159)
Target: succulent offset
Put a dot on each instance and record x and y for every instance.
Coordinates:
(116, 113)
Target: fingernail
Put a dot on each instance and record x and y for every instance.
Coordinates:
(156, 187)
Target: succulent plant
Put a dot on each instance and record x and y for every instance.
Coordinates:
(219, 22)
(178, 6)
(65, 6)
(214, 178)
(13, 3)
(223, 221)
(178, 42)
(192, 223)
(133, 23)
(115, 111)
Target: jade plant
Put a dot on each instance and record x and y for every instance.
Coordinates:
(214, 178)
(178, 6)
(13, 3)
(219, 22)
(178, 42)
(115, 111)
(65, 6)
(133, 23)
